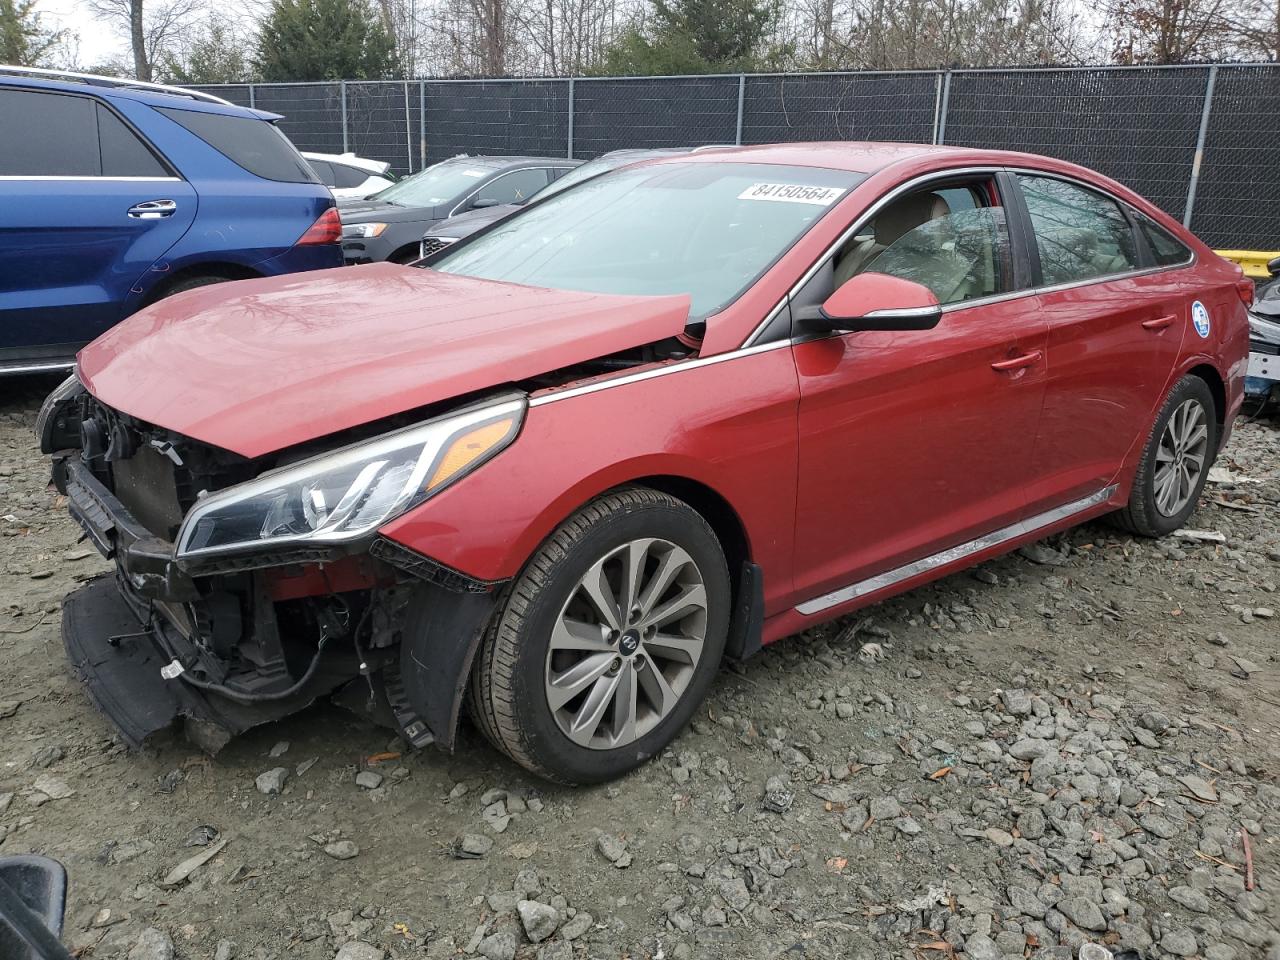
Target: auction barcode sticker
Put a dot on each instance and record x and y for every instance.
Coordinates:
(792, 193)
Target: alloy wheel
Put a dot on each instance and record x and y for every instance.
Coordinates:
(626, 644)
(1181, 457)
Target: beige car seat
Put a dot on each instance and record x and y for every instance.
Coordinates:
(892, 223)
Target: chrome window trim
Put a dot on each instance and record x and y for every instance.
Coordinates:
(36, 366)
(924, 179)
(678, 366)
(995, 538)
(86, 179)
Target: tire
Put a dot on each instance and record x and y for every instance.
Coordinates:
(191, 283)
(520, 666)
(1156, 509)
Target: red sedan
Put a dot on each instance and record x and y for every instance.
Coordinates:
(560, 471)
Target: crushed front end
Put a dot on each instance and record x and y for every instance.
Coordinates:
(244, 589)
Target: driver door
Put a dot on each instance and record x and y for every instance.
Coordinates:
(915, 442)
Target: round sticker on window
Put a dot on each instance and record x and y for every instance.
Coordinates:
(1200, 319)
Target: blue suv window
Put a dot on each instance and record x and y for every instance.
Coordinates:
(255, 145)
(62, 135)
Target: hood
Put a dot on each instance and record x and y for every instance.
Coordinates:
(291, 359)
(465, 224)
(368, 211)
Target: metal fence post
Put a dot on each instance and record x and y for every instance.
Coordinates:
(253, 103)
(742, 98)
(1200, 139)
(569, 146)
(408, 128)
(422, 124)
(342, 84)
(940, 124)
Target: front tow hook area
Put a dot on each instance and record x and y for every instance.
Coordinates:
(115, 656)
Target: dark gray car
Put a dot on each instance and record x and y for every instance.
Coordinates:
(441, 235)
(390, 224)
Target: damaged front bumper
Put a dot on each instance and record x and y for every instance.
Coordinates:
(164, 640)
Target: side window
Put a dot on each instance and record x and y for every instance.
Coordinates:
(514, 187)
(252, 144)
(1080, 234)
(47, 135)
(1167, 250)
(345, 176)
(123, 154)
(324, 170)
(955, 241)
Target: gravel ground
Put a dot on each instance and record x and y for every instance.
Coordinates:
(1077, 744)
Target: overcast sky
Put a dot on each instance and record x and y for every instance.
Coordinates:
(97, 42)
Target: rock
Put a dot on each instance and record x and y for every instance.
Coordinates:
(498, 946)
(981, 947)
(342, 850)
(1026, 903)
(152, 944)
(1016, 702)
(1082, 912)
(579, 924)
(279, 750)
(52, 787)
(272, 782)
(777, 797)
(1180, 942)
(368, 780)
(356, 950)
(1001, 838)
(885, 808)
(8, 708)
(226, 950)
(614, 850)
(1030, 749)
(472, 846)
(1031, 824)
(1190, 898)
(538, 919)
(1043, 554)
(735, 893)
(1159, 826)
(182, 871)
(555, 950)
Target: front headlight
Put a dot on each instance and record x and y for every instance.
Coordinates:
(364, 231)
(348, 493)
(47, 421)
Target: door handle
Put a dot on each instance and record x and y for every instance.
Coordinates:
(1158, 323)
(153, 209)
(1017, 363)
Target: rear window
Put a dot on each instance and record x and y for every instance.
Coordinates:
(1167, 250)
(255, 145)
(123, 154)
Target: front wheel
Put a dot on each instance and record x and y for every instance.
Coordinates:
(1175, 462)
(607, 641)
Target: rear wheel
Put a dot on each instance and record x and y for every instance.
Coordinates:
(607, 642)
(191, 283)
(1175, 462)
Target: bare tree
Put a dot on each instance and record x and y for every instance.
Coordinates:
(153, 31)
(1169, 31)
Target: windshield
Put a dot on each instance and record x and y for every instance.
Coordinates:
(705, 229)
(592, 168)
(445, 182)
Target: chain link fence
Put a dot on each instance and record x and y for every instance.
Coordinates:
(1199, 141)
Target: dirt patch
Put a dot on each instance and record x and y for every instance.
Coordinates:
(1063, 747)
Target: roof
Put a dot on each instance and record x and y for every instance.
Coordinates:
(376, 167)
(857, 156)
(497, 162)
(152, 94)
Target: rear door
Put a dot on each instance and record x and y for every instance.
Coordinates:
(1116, 321)
(86, 207)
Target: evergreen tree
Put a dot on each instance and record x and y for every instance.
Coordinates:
(24, 40)
(215, 55)
(325, 40)
(698, 36)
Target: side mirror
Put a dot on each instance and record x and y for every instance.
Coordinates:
(33, 897)
(479, 203)
(875, 301)
(1273, 266)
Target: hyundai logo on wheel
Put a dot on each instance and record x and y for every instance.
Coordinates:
(1200, 319)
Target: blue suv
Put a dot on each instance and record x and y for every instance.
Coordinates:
(114, 194)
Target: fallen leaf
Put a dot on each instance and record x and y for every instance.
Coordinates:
(383, 757)
(939, 773)
(837, 864)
